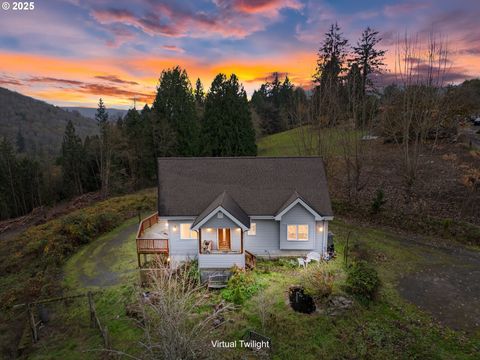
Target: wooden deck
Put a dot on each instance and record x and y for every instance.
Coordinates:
(148, 244)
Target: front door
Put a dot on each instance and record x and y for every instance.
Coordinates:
(224, 239)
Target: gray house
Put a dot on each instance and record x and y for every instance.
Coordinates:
(228, 211)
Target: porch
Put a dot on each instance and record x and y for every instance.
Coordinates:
(222, 248)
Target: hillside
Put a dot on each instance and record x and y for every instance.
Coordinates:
(449, 196)
(90, 112)
(42, 125)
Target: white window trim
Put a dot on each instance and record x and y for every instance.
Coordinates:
(297, 239)
(254, 232)
(190, 230)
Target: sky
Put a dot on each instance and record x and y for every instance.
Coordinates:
(72, 52)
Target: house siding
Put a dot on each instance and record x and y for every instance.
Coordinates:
(185, 247)
(297, 215)
(220, 261)
(267, 239)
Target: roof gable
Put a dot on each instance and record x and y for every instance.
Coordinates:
(293, 200)
(228, 206)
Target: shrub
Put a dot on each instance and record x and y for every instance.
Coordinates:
(288, 263)
(362, 280)
(241, 286)
(318, 282)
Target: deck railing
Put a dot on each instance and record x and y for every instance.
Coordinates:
(250, 260)
(147, 223)
(152, 246)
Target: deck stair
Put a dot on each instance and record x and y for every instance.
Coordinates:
(217, 281)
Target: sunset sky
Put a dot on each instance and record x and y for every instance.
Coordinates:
(72, 52)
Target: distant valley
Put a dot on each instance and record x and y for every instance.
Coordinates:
(37, 128)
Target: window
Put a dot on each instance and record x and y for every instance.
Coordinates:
(253, 229)
(297, 232)
(186, 233)
(302, 232)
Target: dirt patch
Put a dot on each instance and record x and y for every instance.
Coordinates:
(446, 285)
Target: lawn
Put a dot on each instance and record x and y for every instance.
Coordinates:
(291, 142)
(388, 327)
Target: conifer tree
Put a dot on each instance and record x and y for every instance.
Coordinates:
(227, 129)
(368, 58)
(72, 161)
(105, 156)
(175, 117)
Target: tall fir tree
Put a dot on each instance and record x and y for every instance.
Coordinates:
(328, 97)
(72, 161)
(331, 57)
(368, 57)
(105, 156)
(227, 129)
(199, 92)
(175, 115)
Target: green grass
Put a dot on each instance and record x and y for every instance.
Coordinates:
(30, 263)
(120, 260)
(291, 142)
(386, 328)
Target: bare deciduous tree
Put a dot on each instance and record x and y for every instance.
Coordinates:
(173, 316)
(413, 111)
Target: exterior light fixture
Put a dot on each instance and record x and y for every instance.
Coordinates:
(174, 228)
(320, 228)
(168, 259)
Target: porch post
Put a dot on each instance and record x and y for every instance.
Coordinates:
(200, 241)
(241, 241)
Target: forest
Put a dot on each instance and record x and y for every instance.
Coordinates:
(351, 90)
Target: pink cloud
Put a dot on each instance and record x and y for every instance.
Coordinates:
(173, 48)
(261, 6)
(230, 19)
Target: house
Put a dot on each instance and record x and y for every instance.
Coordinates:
(227, 211)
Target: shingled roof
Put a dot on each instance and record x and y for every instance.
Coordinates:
(259, 185)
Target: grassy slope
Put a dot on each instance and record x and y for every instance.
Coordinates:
(288, 143)
(30, 263)
(75, 339)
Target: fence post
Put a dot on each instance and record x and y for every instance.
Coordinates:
(91, 308)
(106, 338)
(31, 320)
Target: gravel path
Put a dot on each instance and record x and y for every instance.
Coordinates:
(446, 284)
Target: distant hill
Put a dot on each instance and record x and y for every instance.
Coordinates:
(113, 114)
(42, 125)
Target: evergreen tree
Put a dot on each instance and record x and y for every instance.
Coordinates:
(105, 155)
(72, 161)
(368, 58)
(227, 128)
(328, 97)
(331, 58)
(273, 105)
(199, 93)
(175, 116)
